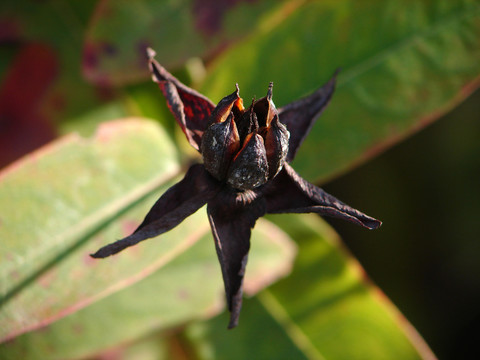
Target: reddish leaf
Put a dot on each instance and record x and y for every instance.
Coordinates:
(24, 127)
(209, 14)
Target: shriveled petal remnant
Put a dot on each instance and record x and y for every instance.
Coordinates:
(245, 173)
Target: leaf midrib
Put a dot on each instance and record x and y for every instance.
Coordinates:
(292, 330)
(85, 229)
(381, 55)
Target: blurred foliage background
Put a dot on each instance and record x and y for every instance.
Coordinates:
(80, 67)
(429, 266)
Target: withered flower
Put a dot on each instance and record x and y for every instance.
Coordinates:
(245, 173)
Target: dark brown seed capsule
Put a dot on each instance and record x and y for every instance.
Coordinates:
(233, 209)
(249, 168)
(276, 145)
(265, 108)
(247, 122)
(220, 143)
(224, 107)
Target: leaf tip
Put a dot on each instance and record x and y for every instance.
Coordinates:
(151, 53)
(112, 249)
(98, 255)
(233, 322)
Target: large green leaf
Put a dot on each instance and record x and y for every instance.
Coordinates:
(325, 309)
(188, 287)
(404, 63)
(78, 194)
(58, 198)
(121, 30)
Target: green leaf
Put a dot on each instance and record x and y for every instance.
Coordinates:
(403, 65)
(56, 199)
(153, 347)
(325, 309)
(188, 287)
(121, 30)
(78, 194)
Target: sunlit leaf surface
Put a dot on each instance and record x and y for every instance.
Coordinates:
(403, 65)
(187, 287)
(56, 199)
(114, 51)
(326, 301)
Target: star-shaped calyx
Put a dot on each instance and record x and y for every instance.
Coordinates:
(245, 173)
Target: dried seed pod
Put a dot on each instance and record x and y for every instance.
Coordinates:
(220, 143)
(233, 209)
(264, 139)
(224, 107)
(247, 122)
(265, 108)
(249, 168)
(276, 145)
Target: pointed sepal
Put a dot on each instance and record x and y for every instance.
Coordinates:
(231, 221)
(289, 193)
(179, 202)
(191, 109)
(300, 115)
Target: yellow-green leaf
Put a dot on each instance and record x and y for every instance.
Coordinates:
(404, 63)
(325, 309)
